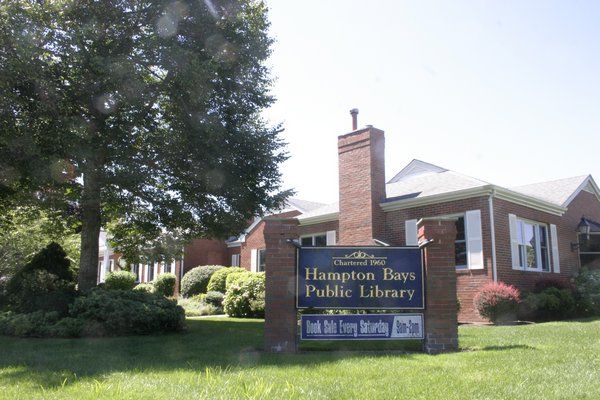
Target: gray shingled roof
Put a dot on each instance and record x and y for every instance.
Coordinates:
(559, 192)
(304, 206)
(429, 184)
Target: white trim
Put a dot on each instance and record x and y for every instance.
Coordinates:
(514, 243)
(498, 192)
(411, 232)
(331, 238)
(493, 236)
(474, 239)
(317, 219)
(254, 260)
(554, 244)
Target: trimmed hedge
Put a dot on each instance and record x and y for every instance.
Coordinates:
(218, 280)
(195, 281)
(245, 297)
(119, 280)
(101, 313)
(127, 312)
(497, 302)
(165, 284)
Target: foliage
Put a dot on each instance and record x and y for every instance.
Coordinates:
(548, 282)
(126, 312)
(234, 278)
(40, 324)
(44, 283)
(497, 302)
(145, 287)
(245, 297)
(165, 284)
(144, 114)
(194, 307)
(215, 299)
(218, 280)
(119, 280)
(550, 304)
(53, 259)
(587, 289)
(195, 281)
(25, 231)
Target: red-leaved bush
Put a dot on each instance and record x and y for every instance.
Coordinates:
(497, 302)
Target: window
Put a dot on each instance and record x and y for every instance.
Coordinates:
(135, 268)
(533, 245)
(468, 244)
(460, 244)
(257, 260)
(235, 260)
(319, 239)
(262, 260)
(150, 275)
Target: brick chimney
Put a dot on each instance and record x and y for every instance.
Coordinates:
(362, 186)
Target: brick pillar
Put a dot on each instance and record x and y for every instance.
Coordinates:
(362, 186)
(441, 326)
(280, 297)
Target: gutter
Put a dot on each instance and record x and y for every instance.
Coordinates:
(493, 235)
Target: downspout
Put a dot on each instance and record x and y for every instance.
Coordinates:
(493, 235)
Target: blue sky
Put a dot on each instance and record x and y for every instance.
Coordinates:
(504, 91)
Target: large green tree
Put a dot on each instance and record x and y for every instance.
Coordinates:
(139, 112)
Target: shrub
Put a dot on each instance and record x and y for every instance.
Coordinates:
(38, 289)
(215, 299)
(550, 304)
(195, 281)
(587, 291)
(145, 287)
(497, 302)
(165, 284)
(245, 297)
(234, 278)
(53, 259)
(119, 280)
(550, 282)
(195, 308)
(39, 324)
(218, 280)
(126, 312)
(45, 283)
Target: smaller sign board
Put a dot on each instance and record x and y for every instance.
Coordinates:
(362, 327)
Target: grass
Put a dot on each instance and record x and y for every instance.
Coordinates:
(217, 358)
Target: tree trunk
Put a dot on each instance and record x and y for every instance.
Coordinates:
(90, 225)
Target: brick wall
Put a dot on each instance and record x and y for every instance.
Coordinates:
(468, 281)
(205, 252)
(441, 326)
(280, 301)
(255, 239)
(362, 186)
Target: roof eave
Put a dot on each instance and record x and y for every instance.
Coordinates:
(319, 219)
(396, 205)
(487, 190)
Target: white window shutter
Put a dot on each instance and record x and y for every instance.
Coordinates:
(474, 239)
(411, 234)
(554, 244)
(514, 241)
(331, 239)
(253, 260)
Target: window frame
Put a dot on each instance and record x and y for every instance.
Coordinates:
(539, 231)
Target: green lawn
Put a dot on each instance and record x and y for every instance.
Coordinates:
(218, 359)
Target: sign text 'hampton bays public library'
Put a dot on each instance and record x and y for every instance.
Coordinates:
(381, 278)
